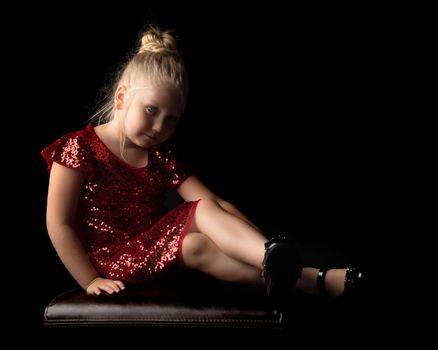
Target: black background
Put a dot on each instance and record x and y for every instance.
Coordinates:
(288, 118)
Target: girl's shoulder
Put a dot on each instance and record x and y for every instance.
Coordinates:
(84, 135)
(87, 134)
(72, 149)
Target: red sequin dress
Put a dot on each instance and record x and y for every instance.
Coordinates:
(121, 219)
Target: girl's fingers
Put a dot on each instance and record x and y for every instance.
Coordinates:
(108, 286)
(114, 287)
(120, 284)
(111, 287)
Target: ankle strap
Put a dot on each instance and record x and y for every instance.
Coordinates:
(320, 281)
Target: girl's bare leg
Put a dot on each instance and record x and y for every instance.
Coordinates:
(233, 236)
(240, 246)
(200, 253)
(334, 281)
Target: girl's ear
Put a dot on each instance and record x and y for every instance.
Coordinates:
(119, 96)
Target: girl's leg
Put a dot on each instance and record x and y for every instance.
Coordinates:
(239, 243)
(200, 253)
(233, 236)
(334, 281)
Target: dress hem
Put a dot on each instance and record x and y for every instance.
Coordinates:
(179, 256)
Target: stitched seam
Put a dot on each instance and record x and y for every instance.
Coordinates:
(200, 320)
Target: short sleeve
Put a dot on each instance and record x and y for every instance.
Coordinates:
(71, 151)
(176, 171)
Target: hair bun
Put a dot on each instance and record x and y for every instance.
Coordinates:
(157, 41)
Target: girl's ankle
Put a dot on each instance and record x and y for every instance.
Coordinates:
(349, 281)
(330, 282)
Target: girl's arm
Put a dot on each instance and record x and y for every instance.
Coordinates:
(64, 189)
(193, 189)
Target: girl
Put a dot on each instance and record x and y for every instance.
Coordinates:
(105, 211)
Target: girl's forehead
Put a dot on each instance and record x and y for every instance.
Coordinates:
(164, 95)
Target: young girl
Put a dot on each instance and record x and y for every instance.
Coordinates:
(105, 211)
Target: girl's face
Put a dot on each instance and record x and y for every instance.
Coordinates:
(152, 115)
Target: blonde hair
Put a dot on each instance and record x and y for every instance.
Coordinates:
(157, 61)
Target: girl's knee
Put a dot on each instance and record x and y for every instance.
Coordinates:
(204, 209)
(207, 203)
(196, 249)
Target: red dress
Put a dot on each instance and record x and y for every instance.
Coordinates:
(121, 218)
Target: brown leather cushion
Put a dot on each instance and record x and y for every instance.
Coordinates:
(201, 304)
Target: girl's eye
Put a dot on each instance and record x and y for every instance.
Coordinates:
(151, 109)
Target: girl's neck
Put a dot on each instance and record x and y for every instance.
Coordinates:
(111, 135)
(108, 134)
(112, 132)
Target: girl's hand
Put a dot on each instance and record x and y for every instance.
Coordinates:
(100, 284)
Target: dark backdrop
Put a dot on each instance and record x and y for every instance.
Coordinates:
(286, 118)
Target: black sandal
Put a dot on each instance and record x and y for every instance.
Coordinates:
(320, 282)
(357, 281)
(281, 269)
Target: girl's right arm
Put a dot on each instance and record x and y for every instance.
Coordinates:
(64, 189)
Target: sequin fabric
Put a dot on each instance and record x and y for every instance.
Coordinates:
(121, 219)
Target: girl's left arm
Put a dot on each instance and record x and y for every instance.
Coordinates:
(193, 189)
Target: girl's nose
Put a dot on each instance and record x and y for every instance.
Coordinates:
(157, 127)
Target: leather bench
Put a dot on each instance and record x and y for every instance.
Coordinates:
(190, 303)
(154, 306)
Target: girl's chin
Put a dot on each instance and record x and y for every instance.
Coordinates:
(146, 142)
